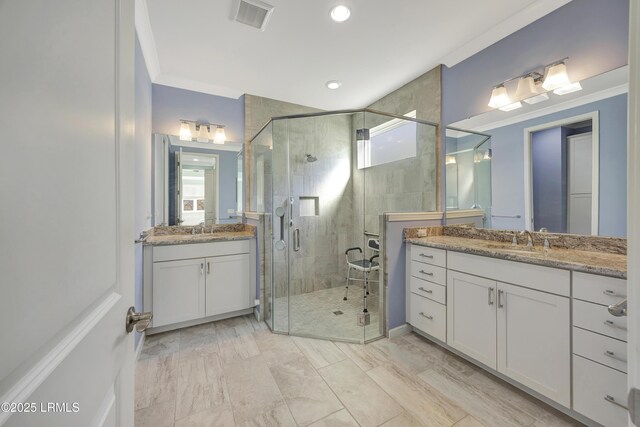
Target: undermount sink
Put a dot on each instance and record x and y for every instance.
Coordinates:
(528, 250)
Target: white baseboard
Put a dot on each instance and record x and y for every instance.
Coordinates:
(257, 313)
(140, 345)
(399, 331)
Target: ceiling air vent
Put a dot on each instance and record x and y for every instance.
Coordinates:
(254, 13)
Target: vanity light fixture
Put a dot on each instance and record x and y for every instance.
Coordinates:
(533, 87)
(340, 13)
(204, 131)
(450, 160)
(499, 97)
(185, 131)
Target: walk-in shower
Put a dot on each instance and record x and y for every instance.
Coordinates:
(322, 182)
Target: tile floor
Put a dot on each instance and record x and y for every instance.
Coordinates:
(312, 314)
(235, 372)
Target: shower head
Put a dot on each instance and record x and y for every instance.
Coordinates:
(311, 159)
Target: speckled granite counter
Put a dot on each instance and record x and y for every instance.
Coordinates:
(596, 255)
(180, 235)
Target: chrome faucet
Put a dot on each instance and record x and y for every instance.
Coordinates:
(529, 237)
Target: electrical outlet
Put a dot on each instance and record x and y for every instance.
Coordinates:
(422, 232)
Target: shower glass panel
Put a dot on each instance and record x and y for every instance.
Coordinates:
(323, 182)
(468, 172)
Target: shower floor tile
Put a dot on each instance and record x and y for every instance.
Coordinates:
(324, 314)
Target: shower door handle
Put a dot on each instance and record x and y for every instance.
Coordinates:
(296, 240)
(280, 244)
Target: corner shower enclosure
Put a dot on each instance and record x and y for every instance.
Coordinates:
(322, 182)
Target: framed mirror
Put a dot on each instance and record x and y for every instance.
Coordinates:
(558, 165)
(196, 183)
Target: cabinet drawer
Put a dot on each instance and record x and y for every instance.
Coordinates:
(596, 318)
(595, 384)
(429, 255)
(598, 289)
(429, 272)
(551, 280)
(601, 349)
(429, 290)
(428, 316)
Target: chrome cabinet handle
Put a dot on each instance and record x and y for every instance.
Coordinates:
(202, 268)
(613, 325)
(500, 303)
(429, 291)
(611, 293)
(612, 355)
(611, 399)
(426, 272)
(426, 256)
(490, 296)
(426, 316)
(208, 267)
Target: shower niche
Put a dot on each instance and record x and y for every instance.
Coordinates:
(317, 206)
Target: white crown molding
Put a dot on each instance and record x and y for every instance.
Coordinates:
(509, 26)
(147, 42)
(479, 125)
(180, 83)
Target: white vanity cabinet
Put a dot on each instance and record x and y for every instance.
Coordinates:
(192, 283)
(515, 318)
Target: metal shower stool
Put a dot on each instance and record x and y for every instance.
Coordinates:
(366, 266)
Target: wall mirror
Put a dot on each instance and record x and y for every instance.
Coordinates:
(559, 165)
(196, 183)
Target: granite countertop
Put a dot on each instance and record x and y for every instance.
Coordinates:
(180, 235)
(607, 263)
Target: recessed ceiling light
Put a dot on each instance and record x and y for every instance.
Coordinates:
(340, 13)
(333, 84)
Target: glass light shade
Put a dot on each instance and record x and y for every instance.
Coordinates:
(487, 155)
(511, 107)
(220, 136)
(185, 132)
(526, 88)
(538, 98)
(573, 87)
(556, 77)
(203, 134)
(499, 97)
(478, 156)
(450, 160)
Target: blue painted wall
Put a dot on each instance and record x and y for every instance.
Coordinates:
(172, 104)
(549, 177)
(507, 175)
(143, 198)
(593, 33)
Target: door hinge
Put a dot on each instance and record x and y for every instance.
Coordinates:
(634, 406)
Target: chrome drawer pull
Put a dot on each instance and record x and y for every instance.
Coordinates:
(426, 315)
(612, 355)
(425, 272)
(611, 293)
(426, 256)
(490, 296)
(613, 325)
(610, 399)
(429, 291)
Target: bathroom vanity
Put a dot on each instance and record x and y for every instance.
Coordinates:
(538, 319)
(201, 277)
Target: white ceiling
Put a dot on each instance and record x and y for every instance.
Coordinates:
(196, 45)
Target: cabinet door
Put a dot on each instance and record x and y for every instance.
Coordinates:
(178, 291)
(228, 284)
(471, 316)
(534, 340)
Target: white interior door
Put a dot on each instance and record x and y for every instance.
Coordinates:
(179, 189)
(211, 195)
(66, 226)
(579, 183)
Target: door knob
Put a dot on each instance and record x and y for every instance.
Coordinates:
(139, 320)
